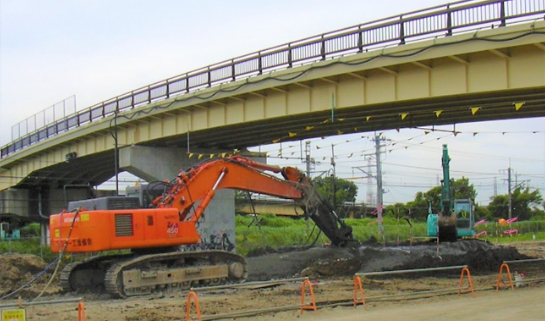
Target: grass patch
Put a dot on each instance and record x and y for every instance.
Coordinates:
(273, 231)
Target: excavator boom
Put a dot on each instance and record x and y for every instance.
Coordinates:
(237, 172)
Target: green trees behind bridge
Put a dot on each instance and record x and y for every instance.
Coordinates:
(526, 204)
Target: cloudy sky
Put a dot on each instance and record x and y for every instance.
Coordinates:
(94, 50)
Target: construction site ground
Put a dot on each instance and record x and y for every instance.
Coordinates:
(331, 272)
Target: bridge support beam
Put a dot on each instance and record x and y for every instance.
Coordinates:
(217, 228)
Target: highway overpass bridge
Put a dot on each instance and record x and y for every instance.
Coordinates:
(464, 62)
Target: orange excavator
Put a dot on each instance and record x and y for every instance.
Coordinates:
(154, 235)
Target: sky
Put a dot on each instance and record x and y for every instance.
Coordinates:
(51, 50)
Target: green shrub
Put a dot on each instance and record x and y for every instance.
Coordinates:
(28, 246)
(31, 230)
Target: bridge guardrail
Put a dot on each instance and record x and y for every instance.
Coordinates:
(438, 21)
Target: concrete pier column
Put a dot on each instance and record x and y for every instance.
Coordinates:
(217, 227)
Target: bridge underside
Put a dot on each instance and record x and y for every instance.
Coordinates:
(487, 75)
(453, 109)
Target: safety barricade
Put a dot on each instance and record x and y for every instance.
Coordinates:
(190, 295)
(302, 306)
(81, 311)
(521, 278)
(20, 314)
(358, 287)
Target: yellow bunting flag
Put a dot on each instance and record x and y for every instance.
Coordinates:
(223, 155)
(355, 129)
(326, 121)
(475, 133)
(339, 132)
(438, 113)
(474, 110)
(340, 119)
(200, 156)
(368, 118)
(426, 132)
(318, 147)
(276, 140)
(309, 127)
(519, 106)
(403, 115)
(292, 134)
(191, 155)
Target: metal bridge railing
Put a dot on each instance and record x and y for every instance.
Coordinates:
(439, 21)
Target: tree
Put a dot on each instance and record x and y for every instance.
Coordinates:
(345, 190)
(524, 204)
(420, 206)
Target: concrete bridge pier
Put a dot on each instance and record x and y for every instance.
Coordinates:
(20, 206)
(217, 227)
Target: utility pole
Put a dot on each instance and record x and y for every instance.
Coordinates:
(307, 157)
(495, 187)
(334, 176)
(307, 161)
(116, 155)
(379, 184)
(370, 199)
(509, 188)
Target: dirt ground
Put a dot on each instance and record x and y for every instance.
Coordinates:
(331, 273)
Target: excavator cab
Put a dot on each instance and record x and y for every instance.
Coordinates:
(465, 218)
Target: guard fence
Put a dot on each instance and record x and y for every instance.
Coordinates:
(254, 238)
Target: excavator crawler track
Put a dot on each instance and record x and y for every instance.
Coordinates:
(132, 275)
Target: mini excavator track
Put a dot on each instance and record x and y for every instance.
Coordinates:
(134, 275)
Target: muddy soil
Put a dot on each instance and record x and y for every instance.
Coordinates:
(331, 271)
(19, 269)
(481, 257)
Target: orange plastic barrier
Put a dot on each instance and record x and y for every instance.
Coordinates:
(470, 286)
(358, 287)
(81, 311)
(504, 265)
(190, 295)
(312, 305)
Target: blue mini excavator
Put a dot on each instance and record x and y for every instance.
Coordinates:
(456, 218)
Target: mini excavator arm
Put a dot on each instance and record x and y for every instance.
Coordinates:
(237, 172)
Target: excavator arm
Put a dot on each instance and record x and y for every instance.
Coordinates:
(192, 191)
